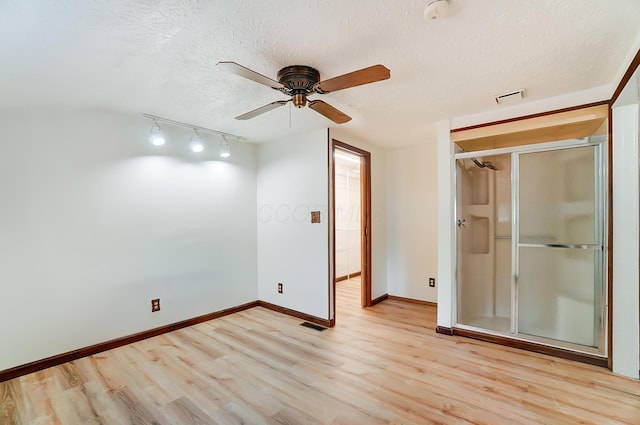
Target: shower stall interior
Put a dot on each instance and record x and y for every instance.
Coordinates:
(531, 243)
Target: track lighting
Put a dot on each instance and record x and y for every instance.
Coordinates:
(225, 151)
(196, 142)
(155, 136)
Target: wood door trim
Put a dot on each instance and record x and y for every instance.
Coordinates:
(365, 193)
(609, 296)
(331, 232)
(365, 254)
(525, 117)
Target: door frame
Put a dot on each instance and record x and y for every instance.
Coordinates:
(365, 223)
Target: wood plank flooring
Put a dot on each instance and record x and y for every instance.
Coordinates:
(379, 365)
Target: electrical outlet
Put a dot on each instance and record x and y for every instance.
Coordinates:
(155, 305)
(279, 288)
(432, 282)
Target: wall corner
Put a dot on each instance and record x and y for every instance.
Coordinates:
(446, 233)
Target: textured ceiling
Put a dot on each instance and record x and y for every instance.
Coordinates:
(158, 57)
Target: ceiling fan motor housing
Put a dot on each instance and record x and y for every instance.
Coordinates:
(299, 81)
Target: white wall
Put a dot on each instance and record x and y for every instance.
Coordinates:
(446, 233)
(503, 112)
(378, 209)
(413, 221)
(95, 223)
(293, 180)
(626, 240)
(626, 224)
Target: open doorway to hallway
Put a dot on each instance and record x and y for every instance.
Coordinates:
(348, 220)
(351, 227)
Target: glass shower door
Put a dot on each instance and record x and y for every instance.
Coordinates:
(484, 242)
(559, 242)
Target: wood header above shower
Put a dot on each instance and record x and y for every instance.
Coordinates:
(568, 124)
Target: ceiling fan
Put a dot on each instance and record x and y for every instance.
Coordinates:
(300, 81)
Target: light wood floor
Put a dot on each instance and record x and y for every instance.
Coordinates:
(380, 365)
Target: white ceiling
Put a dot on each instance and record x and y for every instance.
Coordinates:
(158, 57)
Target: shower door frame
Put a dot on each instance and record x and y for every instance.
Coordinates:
(601, 267)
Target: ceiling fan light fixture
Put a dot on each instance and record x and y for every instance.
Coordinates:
(436, 9)
(299, 100)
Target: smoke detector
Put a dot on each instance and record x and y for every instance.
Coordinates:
(436, 9)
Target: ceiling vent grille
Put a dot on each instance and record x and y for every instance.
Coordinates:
(510, 97)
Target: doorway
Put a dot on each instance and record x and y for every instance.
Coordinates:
(351, 224)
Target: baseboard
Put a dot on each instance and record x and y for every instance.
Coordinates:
(444, 330)
(379, 299)
(413, 300)
(304, 316)
(348, 276)
(59, 359)
(532, 346)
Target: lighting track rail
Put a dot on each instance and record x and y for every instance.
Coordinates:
(194, 127)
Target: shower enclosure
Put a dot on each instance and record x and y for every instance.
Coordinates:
(530, 243)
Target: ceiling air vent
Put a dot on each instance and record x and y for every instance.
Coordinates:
(510, 97)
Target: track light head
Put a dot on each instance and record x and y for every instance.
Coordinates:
(225, 151)
(196, 142)
(155, 136)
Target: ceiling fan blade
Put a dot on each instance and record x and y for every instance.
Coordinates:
(329, 111)
(356, 78)
(262, 109)
(245, 72)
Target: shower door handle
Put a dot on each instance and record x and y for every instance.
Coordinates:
(462, 222)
